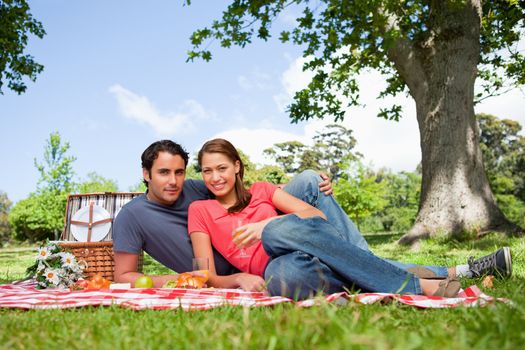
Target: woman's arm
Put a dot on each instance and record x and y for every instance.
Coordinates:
(202, 248)
(286, 203)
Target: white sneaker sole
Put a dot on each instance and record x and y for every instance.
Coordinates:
(508, 261)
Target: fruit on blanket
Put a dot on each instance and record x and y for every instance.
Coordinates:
(170, 284)
(186, 280)
(143, 282)
(98, 282)
(80, 285)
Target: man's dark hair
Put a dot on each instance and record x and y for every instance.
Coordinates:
(152, 152)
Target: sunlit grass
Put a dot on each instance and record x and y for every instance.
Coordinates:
(285, 326)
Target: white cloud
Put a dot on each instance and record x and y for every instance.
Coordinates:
(256, 80)
(293, 79)
(141, 109)
(390, 144)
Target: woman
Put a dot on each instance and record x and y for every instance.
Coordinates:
(244, 226)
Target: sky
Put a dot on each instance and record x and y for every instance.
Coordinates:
(116, 80)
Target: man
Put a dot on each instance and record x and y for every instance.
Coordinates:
(156, 222)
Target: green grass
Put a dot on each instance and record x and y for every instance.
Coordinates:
(326, 326)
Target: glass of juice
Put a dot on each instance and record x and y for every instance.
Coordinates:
(202, 266)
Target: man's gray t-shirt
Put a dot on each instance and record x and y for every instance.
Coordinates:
(162, 231)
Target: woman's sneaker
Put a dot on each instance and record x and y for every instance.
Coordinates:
(498, 264)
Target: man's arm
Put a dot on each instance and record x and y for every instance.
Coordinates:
(126, 270)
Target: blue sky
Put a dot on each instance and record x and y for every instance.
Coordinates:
(116, 79)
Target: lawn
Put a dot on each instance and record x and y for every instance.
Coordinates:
(284, 326)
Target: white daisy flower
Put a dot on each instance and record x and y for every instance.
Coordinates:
(52, 276)
(43, 253)
(68, 259)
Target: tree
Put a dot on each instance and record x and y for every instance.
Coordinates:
(269, 173)
(97, 183)
(5, 228)
(503, 150)
(402, 197)
(138, 187)
(333, 146)
(16, 22)
(41, 215)
(336, 143)
(56, 171)
(504, 158)
(38, 217)
(292, 155)
(359, 192)
(433, 50)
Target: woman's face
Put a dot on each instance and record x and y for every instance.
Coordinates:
(218, 173)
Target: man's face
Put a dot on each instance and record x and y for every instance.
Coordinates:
(166, 178)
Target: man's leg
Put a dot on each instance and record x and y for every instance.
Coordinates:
(300, 276)
(318, 238)
(305, 186)
(439, 271)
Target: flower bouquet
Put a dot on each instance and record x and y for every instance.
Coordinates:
(55, 268)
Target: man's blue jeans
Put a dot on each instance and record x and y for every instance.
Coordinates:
(313, 255)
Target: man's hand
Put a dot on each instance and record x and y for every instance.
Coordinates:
(325, 186)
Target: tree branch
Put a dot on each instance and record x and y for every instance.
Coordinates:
(405, 58)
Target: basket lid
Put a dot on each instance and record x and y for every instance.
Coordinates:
(83, 221)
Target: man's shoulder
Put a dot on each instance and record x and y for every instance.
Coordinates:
(132, 207)
(136, 203)
(195, 189)
(194, 184)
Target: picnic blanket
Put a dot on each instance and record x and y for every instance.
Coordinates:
(24, 295)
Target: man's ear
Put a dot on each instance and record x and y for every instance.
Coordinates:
(146, 175)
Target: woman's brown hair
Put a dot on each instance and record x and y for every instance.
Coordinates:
(225, 147)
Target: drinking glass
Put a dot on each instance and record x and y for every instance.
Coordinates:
(238, 222)
(202, 266)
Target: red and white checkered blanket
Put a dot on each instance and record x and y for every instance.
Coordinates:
(24, 296)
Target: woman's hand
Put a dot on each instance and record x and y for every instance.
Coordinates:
(249, 234)
(251, 283)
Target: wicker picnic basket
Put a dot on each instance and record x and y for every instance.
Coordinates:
(88, 227)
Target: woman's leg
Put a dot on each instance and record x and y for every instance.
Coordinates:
(305, 186)
(318, 238)
(300, 276)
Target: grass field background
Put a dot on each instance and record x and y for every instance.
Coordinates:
(326, 326)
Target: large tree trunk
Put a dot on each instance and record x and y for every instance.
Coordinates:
(455, 193)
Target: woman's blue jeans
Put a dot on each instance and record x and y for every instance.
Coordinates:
(313, 255)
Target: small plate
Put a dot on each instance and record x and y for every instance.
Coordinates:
(98, 232)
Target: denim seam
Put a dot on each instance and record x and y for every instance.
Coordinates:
(417, 286)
